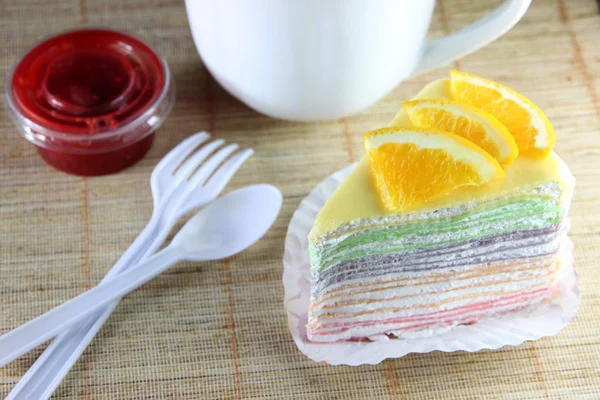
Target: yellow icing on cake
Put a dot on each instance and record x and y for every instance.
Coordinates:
(357, 198)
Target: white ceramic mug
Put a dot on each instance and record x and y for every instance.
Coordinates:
(310, 60)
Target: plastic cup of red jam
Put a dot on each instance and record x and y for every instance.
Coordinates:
(90, 100)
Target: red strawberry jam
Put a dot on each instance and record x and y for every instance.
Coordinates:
(90, 100)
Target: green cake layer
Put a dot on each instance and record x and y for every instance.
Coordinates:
(526, 213)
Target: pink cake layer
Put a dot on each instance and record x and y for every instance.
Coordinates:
(332, 332)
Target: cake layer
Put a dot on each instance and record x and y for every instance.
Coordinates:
(432, 300)
(424, 303)
(510, 246)
(445, 318)
(412, 280)
(532, 213)
(377, 294)
(435, 287)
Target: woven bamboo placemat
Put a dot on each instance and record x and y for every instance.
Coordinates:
(219, 330)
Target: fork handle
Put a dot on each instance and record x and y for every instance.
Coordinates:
(54, 363)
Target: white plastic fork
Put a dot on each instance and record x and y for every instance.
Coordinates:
(180, 183)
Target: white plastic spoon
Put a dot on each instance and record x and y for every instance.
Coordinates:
(224, 228)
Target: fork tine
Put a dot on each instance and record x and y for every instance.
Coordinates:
(211, 165)
(217, 182)
(181, 151)
(192, 163)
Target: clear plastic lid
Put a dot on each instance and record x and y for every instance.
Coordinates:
(89, 91)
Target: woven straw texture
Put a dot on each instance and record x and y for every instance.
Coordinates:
(218, 330)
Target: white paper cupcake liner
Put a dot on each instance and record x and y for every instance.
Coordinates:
(489, 333)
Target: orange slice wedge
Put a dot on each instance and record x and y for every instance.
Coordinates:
(466, 121)
(412, 166)
(524, 120)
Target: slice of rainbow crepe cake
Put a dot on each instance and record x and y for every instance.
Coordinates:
(480, 250)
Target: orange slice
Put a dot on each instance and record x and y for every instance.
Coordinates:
(412, 166)
(466, 121)
(524, 120)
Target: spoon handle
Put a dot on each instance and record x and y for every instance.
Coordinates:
(35, 332)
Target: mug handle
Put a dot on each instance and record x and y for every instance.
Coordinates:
(472, 37)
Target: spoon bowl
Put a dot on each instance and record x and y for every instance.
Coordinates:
(230, 224)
